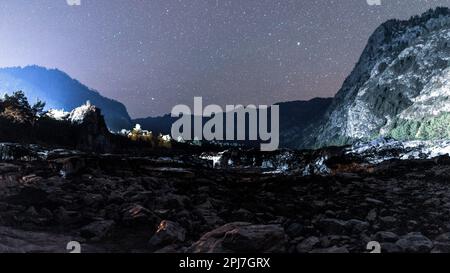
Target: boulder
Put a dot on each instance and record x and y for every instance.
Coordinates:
(97, 230)
(7, 168)
(242, 237)
(390, 248)
(332, 226)
(386, 236)
(308, 244)
(139, 215)
(294, 230)
(168, 233)
(442, 243)
(357, 226)
(415, 242)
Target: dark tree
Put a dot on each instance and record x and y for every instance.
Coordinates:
(17, 107)
(38, 108)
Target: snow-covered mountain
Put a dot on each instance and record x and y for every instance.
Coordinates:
(399, 88)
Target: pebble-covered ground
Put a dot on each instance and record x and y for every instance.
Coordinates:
(124, 204)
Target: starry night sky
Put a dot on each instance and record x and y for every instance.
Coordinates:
(154, 54)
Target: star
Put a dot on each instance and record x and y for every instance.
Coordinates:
(223, 50)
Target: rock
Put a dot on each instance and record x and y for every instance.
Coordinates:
(30, 196)
(31, 179)
(94, 132)
(390, 248)
(242, 237)
(62, 216)
(442, 243)
(210, 217)
(97, 230)
(330, 213)
(372, 215)
(169, 249)
(46, 213)
(211, 242)
(242, 215)
(333, 240)
(93, 200)
(19, 241)
(333, 249)
(173, 201)
(386, 236)
(308, 244)
(441, 247)
(14, 151)
(388, 220)
(319, 203)
(256, 238)
(443, 237)
(294, 230)
(116, 198)
(374, 201)
(412, 224)
(357, 226)
(168, 233)
(31, 212)
(139, 215)
(70, 166)
(332, 226)
(7, 167)
(415, 242)
(118, 188)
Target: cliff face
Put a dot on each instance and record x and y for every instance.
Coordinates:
(400, 87)
(83, 128)
(93, 134)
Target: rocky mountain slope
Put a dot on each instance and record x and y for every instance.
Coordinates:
(60, 91)
(400, 86)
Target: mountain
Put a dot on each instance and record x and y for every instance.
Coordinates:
(399, 88)
(60, 91)
(162, 124)
(295, 116)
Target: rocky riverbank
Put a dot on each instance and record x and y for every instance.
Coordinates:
(114, 203)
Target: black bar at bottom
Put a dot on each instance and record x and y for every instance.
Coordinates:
(222, 262)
